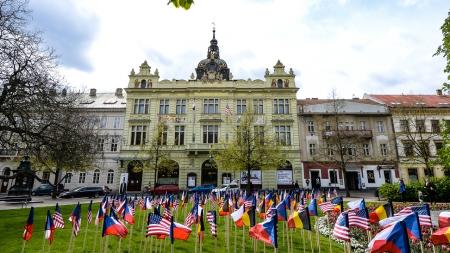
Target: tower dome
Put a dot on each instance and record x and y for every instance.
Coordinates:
(212, 68)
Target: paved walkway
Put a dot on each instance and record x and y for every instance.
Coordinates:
(47, 201)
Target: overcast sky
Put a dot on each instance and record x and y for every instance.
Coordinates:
(354, 46)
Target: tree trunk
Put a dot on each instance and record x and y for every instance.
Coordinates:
(347, 191)
(249, 182)
(56, 183)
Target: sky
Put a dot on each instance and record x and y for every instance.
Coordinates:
(352, 46)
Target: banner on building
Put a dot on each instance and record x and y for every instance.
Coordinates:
(284, 177)
(255, 177)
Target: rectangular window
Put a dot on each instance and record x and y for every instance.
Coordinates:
(211, 106)
(383, 149)
(370, 176)
(179, 135)
(362, 125)
(163, 138)
(420, 125)
(366, 149)
(327, 126)
(45, 176)
(103, 122)
(380, 126)
(438, 146)
(404, 125)
(259, 133)
(310, 126)
(281, 106)
(68, 178)
(435, 127)
(141, 106)
(117, 122)
(312, 149)
(241, 106)
(412, 174)
(408, 148)
(110, 178)
(330, 150)
(283, 134)
(138, 135)
(333, 177)
(258, 106)
(349, 149)
(164, 106)
(82, 178)
(181, 106)
(210, 134)
(100, 144)
(114, 142)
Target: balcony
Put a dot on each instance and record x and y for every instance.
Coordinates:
(347, 133)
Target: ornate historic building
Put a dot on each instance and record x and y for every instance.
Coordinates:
(203, 111)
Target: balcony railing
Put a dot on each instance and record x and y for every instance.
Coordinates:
(347, 133)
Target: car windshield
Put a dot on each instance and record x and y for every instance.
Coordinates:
(76, 189)
(44, 186)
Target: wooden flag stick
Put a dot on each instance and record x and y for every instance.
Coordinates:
(304, 240)
(243, 239)
(264, 247)
(283, 236)
(23, 246)
(171, 247)
(196, 242)
(85, 234)
(95, 236)
(329, 236)
(143, 229)
(318, 239)
(70, 241)
(43, 244)
(201, 244)
(310, 239)
(131, 237)
(145, 244)
(120, 244)
(235, 238)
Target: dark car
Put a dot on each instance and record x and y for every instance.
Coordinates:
(86, 191)
(165, 188)
(203, 188)
(43, 189)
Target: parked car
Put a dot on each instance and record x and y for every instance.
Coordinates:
(46, 189)
(202, 188)
(165, 188)
(85, 191)
(226, 187)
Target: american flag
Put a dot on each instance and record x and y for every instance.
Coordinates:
(75, 218)
(227, 110)
(341, 229)
(89, 214)
(422, 211)
(167, 213)
(326, 206)
(157, 225)
(211, 217)
(175, 204)
(191, 218)
(248, 202)
(58, 220)
(358, 218)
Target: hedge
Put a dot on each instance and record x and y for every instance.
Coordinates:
(392, 191)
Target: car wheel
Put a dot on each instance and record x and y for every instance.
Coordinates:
(33, 194)
(96, 195)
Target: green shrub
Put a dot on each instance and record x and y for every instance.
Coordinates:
(392, 191)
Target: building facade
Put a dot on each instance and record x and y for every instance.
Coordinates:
(361, 129)
(201, 112)
(417, 121)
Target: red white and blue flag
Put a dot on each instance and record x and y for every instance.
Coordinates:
(28, 232)
(266, 231)
(128, 215)
(341, 228)
(111, 226)
(89, 213)
(158, 225)
(393, 239)
(326, 206)
(49, 228)
(423, 212)
(58, 220)
(191, 218)
(211, 218)
(75, 219)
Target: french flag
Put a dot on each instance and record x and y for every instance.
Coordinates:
(111, 226)
(49, 228)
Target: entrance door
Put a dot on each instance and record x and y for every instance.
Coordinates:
(134, 176)
(5, 182)
(314, 175)
(387, 176)
(209, 172)
(352, 180)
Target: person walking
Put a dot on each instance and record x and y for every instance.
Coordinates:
(431, 190)
(402, 190)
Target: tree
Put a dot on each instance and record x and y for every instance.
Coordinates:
(416, 139)
(444, 50)
(185, 4)
(252, 148)
(444, 152)
(68, 143)
(28, 78)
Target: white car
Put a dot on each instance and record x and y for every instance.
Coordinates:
(233, 186)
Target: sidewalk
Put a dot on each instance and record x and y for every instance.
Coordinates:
(47, 201)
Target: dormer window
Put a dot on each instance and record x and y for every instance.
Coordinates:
(279, 83)
(143, 84)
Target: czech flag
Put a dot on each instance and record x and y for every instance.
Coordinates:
(266, 231)
(441, 236)
(49, 228)
(128, 215)
(444, 219)
(180, 231)
(299, 220)
(281, 211)
(393, 239)
(411, 222)
(241, 217)
(111, 226)
(100, 214)
(382, 212)
(28, 232)
(312, 208)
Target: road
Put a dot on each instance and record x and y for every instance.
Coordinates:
(48, 201)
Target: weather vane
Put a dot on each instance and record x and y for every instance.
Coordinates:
(214, 25)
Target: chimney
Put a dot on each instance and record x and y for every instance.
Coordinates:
(64, 92)
(93, 92)
(439, 92)
(119, 92)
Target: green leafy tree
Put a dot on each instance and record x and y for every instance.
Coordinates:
(444, 50)
(252, 148)
(185, 4)
(444, 153)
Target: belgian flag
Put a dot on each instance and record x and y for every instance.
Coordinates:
(299, 220)
(382, 212)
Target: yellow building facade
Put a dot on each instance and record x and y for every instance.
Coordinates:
(202, 111)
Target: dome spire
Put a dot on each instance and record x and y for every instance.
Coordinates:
(214, 30)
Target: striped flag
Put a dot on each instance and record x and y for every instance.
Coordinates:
(158, 225)
(191, 218)
(167, 213)
(211, 217)
(75, 218)
(359, 218)
(326, 206)
(341, 228)
(89, 214)
(58, 220)
(423, 212)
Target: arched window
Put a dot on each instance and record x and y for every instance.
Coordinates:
(191, 180)
(110, 178)
(143, 84)
(68, 178)
(279, 83)
(96, 177)
(82, 177)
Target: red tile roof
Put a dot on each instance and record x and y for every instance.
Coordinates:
(411, 100)
(315, 101)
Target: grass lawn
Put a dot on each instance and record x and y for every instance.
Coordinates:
(12, 222)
